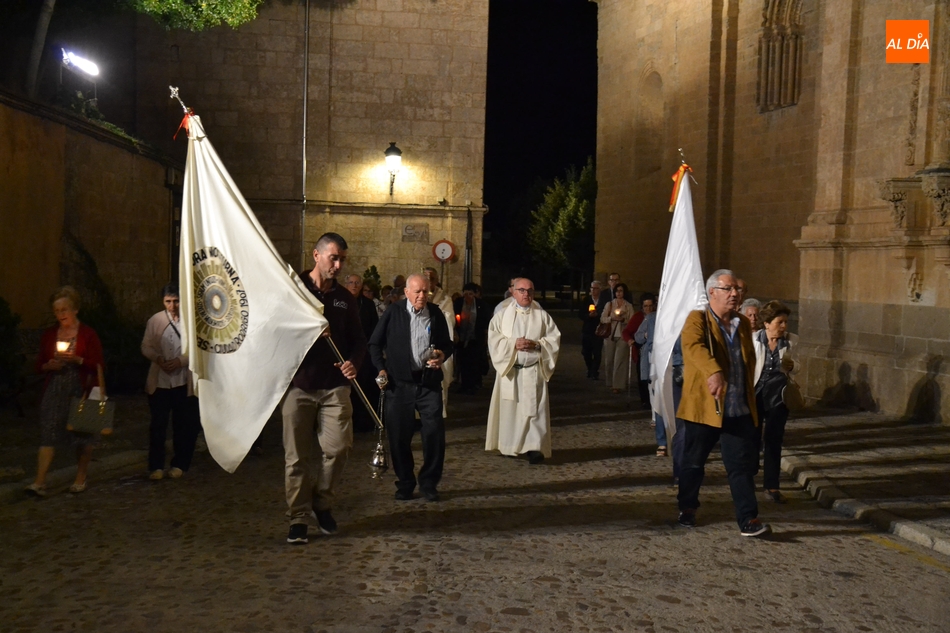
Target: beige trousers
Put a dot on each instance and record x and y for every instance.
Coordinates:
(329, 413)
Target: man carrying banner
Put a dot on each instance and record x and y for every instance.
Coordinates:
(319, 398)
(718, 403)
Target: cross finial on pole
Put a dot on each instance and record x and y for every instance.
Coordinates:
(174, 95)
(683, 161)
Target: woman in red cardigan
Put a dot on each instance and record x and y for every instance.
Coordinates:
(70, 353)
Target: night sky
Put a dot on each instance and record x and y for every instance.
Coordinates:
(541, 111)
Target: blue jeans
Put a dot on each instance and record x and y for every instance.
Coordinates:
(660, 431)
(738, 440)
(679, 439)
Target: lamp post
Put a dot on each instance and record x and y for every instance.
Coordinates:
(393, 162)
(82, 67)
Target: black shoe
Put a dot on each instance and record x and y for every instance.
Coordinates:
(403, 495)
(535, 457)
(775, 496)
(431, 494)
(687, 518)
(326, 522)
(754, 527)
(298, 534)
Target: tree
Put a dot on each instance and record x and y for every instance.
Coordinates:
(561, 234)
(198, 16)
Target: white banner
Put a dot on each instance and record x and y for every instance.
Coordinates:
(682, 290)
(250, 319)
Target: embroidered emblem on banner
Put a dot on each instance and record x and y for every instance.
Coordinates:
(221, 305)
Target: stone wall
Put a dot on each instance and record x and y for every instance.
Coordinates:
(875, 305)
(399, 244)
(824, 175)
(408, 71)
(64, 175)
(653, 97)
(32, 207)
(671, 78)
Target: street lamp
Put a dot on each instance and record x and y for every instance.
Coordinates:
(83, 68)
(72, 60)
(393, 162)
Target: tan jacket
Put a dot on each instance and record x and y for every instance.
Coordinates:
(152, 350)
(697, 405)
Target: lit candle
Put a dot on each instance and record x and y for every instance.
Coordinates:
(617, 312)
(591, 308)
(62, 346)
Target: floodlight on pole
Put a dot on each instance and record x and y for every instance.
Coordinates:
(393, 162)
(72, 60)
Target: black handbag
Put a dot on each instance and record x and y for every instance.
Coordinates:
(92, 416)
(770, 391)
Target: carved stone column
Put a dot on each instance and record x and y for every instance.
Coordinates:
(936, 186)
(940, 100)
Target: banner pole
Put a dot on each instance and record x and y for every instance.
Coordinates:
(356, 385)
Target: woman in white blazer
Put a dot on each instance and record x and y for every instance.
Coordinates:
(773, 362)
(170, 390)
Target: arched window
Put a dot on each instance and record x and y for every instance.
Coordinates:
(781, 51)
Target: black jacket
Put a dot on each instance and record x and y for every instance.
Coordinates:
(368, 315)
(590, 323)
(392, 337)
(482, 318)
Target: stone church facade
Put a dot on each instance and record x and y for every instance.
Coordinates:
(823, 174)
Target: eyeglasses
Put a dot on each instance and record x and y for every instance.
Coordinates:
(524, 291)
(615, 279)
(726, 289)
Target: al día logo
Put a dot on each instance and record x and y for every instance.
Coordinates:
(221, 305)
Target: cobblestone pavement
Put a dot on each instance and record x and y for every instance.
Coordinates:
(585, 542)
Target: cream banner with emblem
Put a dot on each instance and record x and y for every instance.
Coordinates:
(254, 320)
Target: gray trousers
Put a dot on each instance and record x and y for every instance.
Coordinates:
(312, 469)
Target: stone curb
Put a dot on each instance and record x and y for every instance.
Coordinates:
(98, 470)
(814, 481)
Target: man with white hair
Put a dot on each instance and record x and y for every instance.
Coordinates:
(718, 403)
(409, 346)
(523, 342)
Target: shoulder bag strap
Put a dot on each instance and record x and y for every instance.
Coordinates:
(168, 316)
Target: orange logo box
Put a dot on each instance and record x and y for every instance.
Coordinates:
(908, 42)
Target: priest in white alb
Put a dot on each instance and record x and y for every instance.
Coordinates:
(523, 342)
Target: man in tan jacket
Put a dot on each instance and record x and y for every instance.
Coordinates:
(718, 403)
